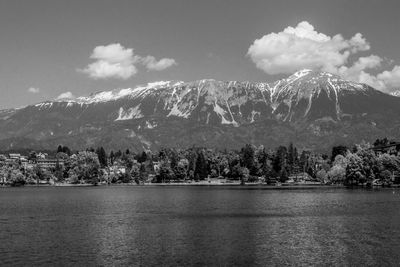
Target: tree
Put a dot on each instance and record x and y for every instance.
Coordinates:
(101, 153)
(30, 176)
(386, 176)
(32, 156)
(354, 170)
(283, 176)
(166, 174)
(192, 158)
(142, 158)
(174, 158)
(369, 160)
(280, 160)
(223, 166)
(39, 174)
(303, 160)
(142, 174)
(118, 154)
(292, 157)
(64, 149)
(381, 142)
(62, 156)
(338, 150)
(112, 157)
(322, 176)
(181, 169)
(247, 158)
(138, 173)
(86, 167)
(244, 175)
(16, 178)
(387, 166)
(59, 171)
(201, 167)
(337, 174)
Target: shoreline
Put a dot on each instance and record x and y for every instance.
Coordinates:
(236, 185)
(207, 184)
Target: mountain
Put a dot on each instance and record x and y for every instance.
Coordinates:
(396, 93)
(314, 110)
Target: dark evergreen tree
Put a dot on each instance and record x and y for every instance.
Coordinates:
(112, 157)
(280, 160)
(338, 150)
(283, 177)
(192, 158)
(101, 154)
(142, 157)
(292, 159)
(174, 158)
(200, 171)
(66, 150)
(59, 172)
(118, 154)
(303, 161)
(247, 158)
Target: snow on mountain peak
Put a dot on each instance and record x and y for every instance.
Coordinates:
(396, 93)
(116, 94)
(302, 73)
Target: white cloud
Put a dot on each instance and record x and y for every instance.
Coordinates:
(65, 96)
(33, 90)
(357, 71)
(302, 46)
(116, 61)
(113, 53)
(391, 78)
(112, 61)
(151, 63)
(103, 70)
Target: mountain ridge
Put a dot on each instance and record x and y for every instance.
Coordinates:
(313, 109)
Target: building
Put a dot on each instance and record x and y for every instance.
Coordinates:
(117, 169)
(392, 148)
(14, 156)
(41, 155)
(49, 163)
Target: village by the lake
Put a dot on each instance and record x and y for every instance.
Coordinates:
(361, 165)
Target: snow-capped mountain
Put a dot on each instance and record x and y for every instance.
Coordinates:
(396, 93)
(309, 108)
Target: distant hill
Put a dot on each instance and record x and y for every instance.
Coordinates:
(314, 110)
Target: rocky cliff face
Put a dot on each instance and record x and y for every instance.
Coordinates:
(312, 109)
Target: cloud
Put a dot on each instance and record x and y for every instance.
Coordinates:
(113, 53)
(65, 96)
(391, 78)
(112, 61)
(103, 70)
(33, 90)
(357, 72)
(303, 47)
(116, 61)
(151, 63)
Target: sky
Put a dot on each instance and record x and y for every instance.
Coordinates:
(53, 49)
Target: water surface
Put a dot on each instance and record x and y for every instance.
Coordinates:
(198, 225)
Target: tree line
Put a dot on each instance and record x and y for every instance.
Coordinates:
(351, 166)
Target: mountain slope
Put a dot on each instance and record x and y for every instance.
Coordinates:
(313, 109)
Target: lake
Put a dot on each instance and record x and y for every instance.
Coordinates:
(198, 225)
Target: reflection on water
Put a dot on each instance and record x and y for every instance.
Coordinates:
(198, 226)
